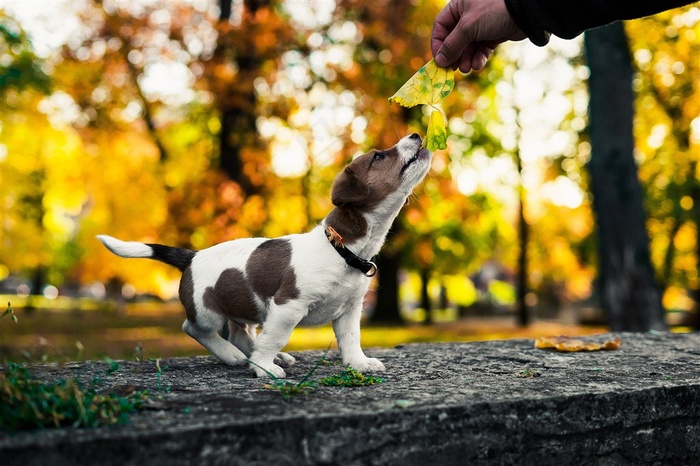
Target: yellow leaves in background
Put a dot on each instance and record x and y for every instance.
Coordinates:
(429, 86)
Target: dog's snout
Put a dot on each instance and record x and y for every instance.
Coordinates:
(414, 136)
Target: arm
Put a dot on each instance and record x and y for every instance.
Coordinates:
(466, 32)
(567, 19)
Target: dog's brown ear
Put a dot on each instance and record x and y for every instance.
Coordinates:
(348, 188)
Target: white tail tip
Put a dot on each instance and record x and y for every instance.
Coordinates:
(125, 248)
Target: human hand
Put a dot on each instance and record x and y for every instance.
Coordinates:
(466, 32)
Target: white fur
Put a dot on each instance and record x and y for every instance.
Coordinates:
(329, 289)
(125, 248)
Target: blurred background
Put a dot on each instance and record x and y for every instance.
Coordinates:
(195, 122)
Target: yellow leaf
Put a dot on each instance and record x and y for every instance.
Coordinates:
(569, 344)
(430, 85)
(437, 132)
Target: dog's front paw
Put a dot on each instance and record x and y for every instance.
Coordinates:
(285, 360)
(367, 365)
(270, 371)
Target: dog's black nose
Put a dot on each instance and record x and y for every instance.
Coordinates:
(414, 136)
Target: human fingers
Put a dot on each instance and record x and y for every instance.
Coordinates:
(450, 34)
(481, 55)
(465, 60)
(475, 56)
(444, 23)
(440, 32)
(456, 42)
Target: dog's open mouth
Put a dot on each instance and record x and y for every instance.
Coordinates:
(421, 152)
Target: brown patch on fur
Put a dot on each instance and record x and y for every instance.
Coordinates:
(270, 273)
(186, 293)
(367, 181)
(348, 188)
(348, 222)
(232, 297)
(359, 188)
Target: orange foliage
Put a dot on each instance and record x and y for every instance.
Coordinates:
(88, 158)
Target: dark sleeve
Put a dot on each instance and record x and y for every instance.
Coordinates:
(538, 19)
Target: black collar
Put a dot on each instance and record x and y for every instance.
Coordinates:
(368, 268)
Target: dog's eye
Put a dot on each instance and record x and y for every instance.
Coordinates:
(379, 155)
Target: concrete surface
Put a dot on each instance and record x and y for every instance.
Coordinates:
(454, 403)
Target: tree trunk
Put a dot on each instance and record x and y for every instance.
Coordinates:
(238, 106)
(225, 9)
(695, 292)
(425, 302)
(237, 126)
(523, 237)
(630, 296)
(387, 309)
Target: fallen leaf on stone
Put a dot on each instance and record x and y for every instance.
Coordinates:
(528, 373)
(569, 344)
(429, 86)
(404, 403)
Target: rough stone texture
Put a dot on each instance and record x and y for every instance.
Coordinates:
(637, 405)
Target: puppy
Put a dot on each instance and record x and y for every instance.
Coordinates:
(310, 279)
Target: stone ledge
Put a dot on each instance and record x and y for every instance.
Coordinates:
(636, 405)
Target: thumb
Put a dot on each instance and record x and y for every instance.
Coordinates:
(454, 44)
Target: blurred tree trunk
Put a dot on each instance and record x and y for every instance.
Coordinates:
(425, 302)
(237, 105)
(630, 296)
(522, 310)
(695, 293)
(387, 309)
(113, 28)
(34, 209)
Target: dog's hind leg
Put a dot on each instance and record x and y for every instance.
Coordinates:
(243, 337)
(284, 359)
(211, 340)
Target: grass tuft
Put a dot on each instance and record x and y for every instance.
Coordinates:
(289, 389)
(350, 378)
(347, 378)
(27, 403)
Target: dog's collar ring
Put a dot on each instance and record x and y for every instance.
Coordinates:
(372, 271)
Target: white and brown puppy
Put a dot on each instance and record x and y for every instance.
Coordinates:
(311, 278)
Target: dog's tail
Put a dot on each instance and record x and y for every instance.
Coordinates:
(178, 257)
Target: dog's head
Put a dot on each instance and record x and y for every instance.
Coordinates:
(382, 176)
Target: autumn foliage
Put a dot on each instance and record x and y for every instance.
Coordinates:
(163, 121)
